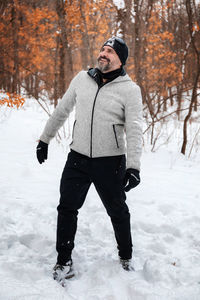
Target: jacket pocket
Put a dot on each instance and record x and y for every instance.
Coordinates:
(73, 132)
(118, 131)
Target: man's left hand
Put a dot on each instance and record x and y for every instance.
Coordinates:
(42, 151)
(131, 179)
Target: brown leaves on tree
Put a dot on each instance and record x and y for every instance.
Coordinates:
(12, 100)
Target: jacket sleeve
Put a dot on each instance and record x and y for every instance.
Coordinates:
(133, 125)
(61, 113)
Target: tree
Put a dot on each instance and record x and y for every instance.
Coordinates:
(194, 30)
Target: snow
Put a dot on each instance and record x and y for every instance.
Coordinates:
(165, 224)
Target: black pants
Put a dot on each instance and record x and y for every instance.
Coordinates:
(106, 173)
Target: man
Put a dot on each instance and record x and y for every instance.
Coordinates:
(108, 110)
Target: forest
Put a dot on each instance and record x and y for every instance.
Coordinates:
(45, 43)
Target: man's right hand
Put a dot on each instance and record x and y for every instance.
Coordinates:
(42, 152)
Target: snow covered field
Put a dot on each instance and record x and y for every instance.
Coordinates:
(165, 211)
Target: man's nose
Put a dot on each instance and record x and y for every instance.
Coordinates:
(104, 53)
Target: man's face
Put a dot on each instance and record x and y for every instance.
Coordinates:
(108, 60)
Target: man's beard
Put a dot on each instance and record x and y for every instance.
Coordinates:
(102, 66)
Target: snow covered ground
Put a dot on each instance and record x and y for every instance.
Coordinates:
(165, 211)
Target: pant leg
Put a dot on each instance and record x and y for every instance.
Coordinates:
(108, 174)
(74, 186)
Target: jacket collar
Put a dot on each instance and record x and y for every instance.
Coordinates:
(96, 74)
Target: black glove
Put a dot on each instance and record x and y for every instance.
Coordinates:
(131, 179)
(42, 151)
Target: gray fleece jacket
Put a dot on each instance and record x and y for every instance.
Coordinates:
(108, 120)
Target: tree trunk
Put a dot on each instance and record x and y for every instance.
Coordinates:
(60, 8)
(194, 90)
(56, 72)
(62, 68)
(85, 48)
(15, 81)
(192, 103)
(36, 86)
(179, 99)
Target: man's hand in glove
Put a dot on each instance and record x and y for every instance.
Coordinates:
(131, 179)
(42, 151)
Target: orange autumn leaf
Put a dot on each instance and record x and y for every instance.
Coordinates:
(12, 100)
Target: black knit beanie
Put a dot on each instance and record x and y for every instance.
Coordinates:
(120, 48)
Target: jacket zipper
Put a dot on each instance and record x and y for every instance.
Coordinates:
(92, 121)
(115, 136)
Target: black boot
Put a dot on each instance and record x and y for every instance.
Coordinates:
(126, 264)
(62, 272)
